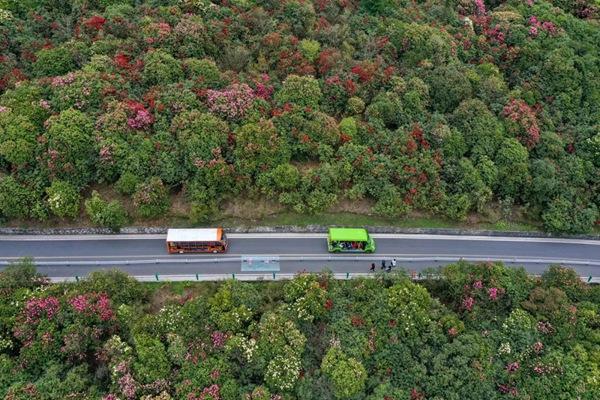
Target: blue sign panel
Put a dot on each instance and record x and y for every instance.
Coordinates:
(256, 263)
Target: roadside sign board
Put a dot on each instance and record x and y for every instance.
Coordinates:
(256, 263)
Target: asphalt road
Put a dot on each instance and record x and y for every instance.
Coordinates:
(64, 256)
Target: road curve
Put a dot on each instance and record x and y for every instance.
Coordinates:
(60, 256)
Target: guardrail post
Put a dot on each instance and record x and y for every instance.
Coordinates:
(233, 276)
(197, 277)
(347, 275)
(156, 276)
(77, 278)
(590, 279)
(273, 275)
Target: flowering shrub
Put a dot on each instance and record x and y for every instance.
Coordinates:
(151, 198)
(523, 122)
(232, 102)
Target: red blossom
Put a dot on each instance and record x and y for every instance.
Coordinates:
(96, 22)
(526, 129)
(122, 60)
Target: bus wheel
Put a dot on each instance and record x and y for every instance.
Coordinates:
(215, 252)
(180, 251)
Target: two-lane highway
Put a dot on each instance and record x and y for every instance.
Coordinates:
(61, 256)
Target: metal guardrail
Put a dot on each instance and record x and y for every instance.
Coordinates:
(273, 276)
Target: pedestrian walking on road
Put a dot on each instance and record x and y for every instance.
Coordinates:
(382, 264)
(394, 263)
(372, 267)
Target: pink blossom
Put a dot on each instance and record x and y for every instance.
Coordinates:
(64, 80)
(103, 307)
(477, 285)
(44, 104)
(127, 385)
(526, 128)
(232, 102)
(36, 308)
(218, 339)
(545, 327)
(4, 109)
(452, 331)
(513, 367)
(141, 120)
(493, 293)
(214, 391)
(468, 303)
(549, 27)
(110, 397)
(105, 153)
(533, 31)
(215, 374)
(262, 89)
(480, 7)
(538, 347)
(79, 303)
(538, 370)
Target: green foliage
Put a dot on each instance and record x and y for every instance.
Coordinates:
(151, 198)
(309, 338)
(303, 91)
(122, 288)
(564, 216)
(113, 93)
(20, 274)
(513, 168)
(160, 67)
(347, 374)
(105, 214)
(63, 199)
(259, 148)
(15, 199)
(17, 139)
(69, 151)
(310, 49)
(127, 183)
(152, 363)
(53, 62)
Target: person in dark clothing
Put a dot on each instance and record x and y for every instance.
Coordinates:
(389, 268)
(382, 264)
(372, 267)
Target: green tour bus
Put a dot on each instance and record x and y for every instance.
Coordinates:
(350, 240)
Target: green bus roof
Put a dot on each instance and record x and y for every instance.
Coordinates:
(348, 234)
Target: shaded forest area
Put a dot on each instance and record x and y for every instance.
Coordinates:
(109, 108)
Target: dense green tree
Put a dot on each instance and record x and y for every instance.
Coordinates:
(151, 198)
(303, 91)
(259, 148)
(69, 147)
(17, 139)
(513, 169)
(152, 362)
(160, 67)
(106, 214)
(53, 62)
(63, 199)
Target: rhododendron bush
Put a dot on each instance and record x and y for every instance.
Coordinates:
(481, 331)
(108, 96)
